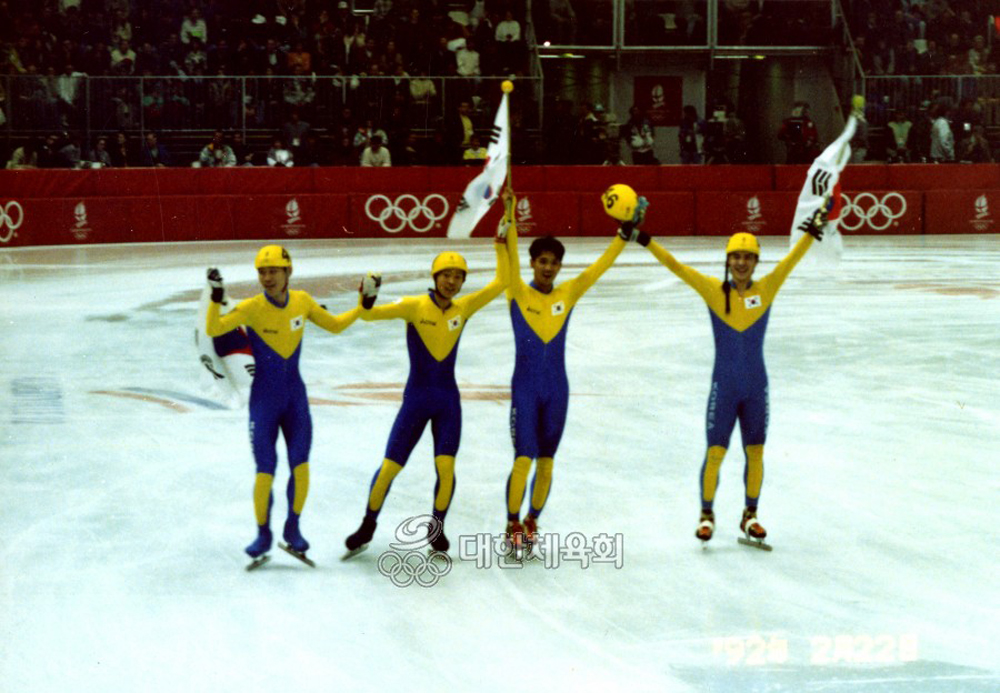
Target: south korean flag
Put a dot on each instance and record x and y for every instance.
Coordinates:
(559, 307)
(454, 323)
(297, 323)
(822, 187)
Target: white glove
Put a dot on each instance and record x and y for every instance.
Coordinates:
(369, 289)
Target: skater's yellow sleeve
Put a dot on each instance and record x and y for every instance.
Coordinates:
(474, 301)
(706, 286)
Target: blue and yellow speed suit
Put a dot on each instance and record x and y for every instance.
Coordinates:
(739, 378)
(539, 386)
(278, 395)
(431, 393)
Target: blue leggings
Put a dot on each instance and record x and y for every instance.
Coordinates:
(439, 406)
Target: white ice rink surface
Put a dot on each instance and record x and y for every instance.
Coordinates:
(125, 500)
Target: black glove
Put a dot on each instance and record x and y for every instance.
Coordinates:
(629, 230)
(369, 289)
(215, 281)
(816, 224)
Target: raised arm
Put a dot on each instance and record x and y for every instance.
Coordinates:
(215, 324)
(778, 275)
(704, 285)
(507, 228)
(218, 325)
(330, 322)
(480, 298)
(403, 308)
(588, 277)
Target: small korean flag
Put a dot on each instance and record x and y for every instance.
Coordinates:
(559, 307)
(454, 323)
(297, 323)
(752, 302)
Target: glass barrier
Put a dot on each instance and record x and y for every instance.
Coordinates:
(775, 23)
(574, 22)
(654, 23)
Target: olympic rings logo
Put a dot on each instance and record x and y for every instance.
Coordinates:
(405, 210)
(7, 222)
(405, 563)
(867, 208)
(403, 569)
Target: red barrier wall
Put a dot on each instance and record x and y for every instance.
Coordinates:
(54, 207)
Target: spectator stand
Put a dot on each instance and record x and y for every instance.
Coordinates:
(237, 67)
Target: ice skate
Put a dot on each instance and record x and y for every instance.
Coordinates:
(530, 533)
(262, 544)
(293, 537)
(296, 544)
(706, 526)
(358, 542)
(440, 542)
(515, 540)
(259, 548)
(753, 530)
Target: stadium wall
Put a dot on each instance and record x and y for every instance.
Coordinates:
(57, 207)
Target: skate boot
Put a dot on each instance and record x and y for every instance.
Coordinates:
(440, 542)
(358, 542)
(751, 527)
(706, 526)
(530, 532)
(262, 544)
(293, 537)
(515, 539)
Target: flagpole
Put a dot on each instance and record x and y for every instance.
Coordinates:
(507, 87)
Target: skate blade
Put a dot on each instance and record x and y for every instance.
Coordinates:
(354, 552)
(755, 543)
(298, 554)
(258, 562)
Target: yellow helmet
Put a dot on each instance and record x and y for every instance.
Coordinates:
(620, 202)
(449, 259)
(743, 241)
(273, 256)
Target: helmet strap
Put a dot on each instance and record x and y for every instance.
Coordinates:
(725, 286)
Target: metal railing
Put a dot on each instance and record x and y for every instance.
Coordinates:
(913, 94)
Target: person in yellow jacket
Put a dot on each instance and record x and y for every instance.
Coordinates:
(434, 325)
(274, 321)
(739, 309)
(540, 312)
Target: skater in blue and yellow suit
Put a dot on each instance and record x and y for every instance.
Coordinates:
(540, 313)
(275, 322)
(434, 325)
(739, 309)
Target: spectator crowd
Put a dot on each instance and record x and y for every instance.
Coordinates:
(256, 63)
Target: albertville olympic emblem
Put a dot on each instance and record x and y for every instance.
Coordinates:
(8, 223)
(407, 211)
